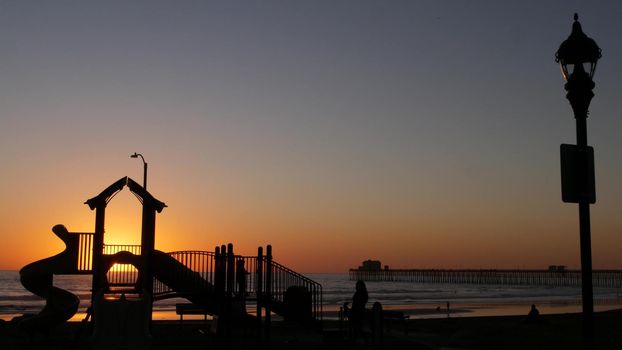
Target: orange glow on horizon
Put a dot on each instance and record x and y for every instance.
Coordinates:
(337, 242)
(122, 268)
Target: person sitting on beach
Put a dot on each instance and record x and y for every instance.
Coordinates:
(534, 315)
(357, 313)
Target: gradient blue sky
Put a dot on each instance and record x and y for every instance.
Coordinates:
(421, 133)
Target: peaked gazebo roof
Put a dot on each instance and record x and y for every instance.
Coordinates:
(102, 199)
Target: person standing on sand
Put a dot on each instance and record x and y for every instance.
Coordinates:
(357, 313)
(241, 278)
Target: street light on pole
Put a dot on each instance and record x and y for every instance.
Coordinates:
(136, 155)
(577, 161)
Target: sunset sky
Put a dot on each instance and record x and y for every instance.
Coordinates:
(424, 134)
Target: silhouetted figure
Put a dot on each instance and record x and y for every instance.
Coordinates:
(241, 278)
(534, 315)
(357, 313)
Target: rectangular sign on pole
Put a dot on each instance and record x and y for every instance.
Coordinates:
(577, 167)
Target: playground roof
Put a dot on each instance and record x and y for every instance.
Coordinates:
(144, 197)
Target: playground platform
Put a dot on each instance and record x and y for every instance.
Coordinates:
(127, 279)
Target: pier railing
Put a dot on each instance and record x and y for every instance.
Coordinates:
(601, 278)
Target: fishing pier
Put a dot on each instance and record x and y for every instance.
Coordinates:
(548, 277)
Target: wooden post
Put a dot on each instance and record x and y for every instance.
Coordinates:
(268, 302)
(259, 292)
(229, 294)
(216, 272)
(147, 245)
(230, 271)
(222, 272)
(98, 254)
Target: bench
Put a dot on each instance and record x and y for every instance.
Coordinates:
(182, 309)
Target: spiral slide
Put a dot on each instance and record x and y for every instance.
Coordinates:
(37, 277)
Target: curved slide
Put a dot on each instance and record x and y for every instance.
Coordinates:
(184, 281)
(37, 277)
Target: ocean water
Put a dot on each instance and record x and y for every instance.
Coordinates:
(419, 300)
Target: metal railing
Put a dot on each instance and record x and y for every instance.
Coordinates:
(204, 263)
(267, 281)
(194, 262)
(110, 249)
(85, 250)
(283, 278)
(256, 278)
(122, 275)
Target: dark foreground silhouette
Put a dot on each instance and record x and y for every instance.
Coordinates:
(218, 283)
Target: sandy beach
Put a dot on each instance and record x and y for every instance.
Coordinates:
(561, 331)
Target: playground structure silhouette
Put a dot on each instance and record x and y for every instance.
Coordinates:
(218, 282)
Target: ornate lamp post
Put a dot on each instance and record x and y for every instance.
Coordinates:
(136, 155)
(577, 53)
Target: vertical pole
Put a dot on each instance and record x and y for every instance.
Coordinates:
(147, 245)
(581, 130)
(98, 251)
(229, 299)
(586, 248)
(230, 271)
(268, 302)
(221, 296)
(218, 287)
(216, 273)
(259, 291)
(222, 271)
(144, 175)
